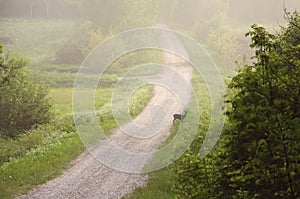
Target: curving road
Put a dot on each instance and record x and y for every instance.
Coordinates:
(88, 178)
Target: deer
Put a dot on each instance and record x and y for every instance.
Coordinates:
(179, 116)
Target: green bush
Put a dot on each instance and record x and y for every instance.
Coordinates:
(23, 103)
(262, 146)
(258, 153)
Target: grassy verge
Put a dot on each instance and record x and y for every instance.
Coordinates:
(158, 187)
(161, 182)
(39, 165)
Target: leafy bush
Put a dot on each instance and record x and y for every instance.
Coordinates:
(258, 154)
(261, 147)
(23, 103)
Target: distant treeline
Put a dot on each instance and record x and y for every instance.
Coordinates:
(38, 9)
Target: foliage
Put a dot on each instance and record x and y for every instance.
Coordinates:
(119, 14)
(22, 102)
(261, 157)
(42, 41)
(205, 14)
(91, 35)
(139, 99)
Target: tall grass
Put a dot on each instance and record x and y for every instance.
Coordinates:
(39, 165)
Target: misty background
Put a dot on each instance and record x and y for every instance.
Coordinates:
(72, 28)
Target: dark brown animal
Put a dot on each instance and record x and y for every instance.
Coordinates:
(179, 117)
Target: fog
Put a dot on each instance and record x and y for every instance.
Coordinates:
(187, 13)
(83, 24)
(178, 12)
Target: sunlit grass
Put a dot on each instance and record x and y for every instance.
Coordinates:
(39, 166)
(158, 187)
(63, 99)
(137, 102)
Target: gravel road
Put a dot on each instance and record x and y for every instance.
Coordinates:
(88, 178)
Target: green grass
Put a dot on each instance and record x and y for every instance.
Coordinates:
(138, 100)
(38, 166)
(63, 99)
(158, 187)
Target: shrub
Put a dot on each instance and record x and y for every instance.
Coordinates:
(261, 158)
(23, 103)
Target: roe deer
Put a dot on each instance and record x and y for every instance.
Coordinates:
(179, 116)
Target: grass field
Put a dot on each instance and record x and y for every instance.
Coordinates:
(39, 165)
(63, 99)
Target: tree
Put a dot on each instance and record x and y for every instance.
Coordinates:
(261, 143)
(23, 103)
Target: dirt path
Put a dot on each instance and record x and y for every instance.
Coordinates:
(88, 178)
